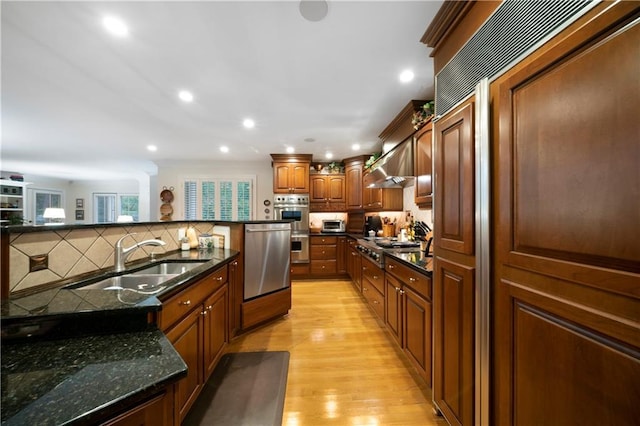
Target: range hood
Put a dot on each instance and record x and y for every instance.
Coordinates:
(393, 170)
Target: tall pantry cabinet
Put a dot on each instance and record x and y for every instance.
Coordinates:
(562, 259)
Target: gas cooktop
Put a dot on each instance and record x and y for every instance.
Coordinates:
(386, 242)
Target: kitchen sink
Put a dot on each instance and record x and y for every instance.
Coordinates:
(142, 283)
(166, 268)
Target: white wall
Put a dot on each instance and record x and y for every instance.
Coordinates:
(174, 175)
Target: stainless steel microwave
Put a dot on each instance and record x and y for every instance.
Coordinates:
(333, 225)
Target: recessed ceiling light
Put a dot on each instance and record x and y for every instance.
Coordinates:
(314, 10)
(115, 26)
(224, 149)
(355, 147)
(152, 148)
(406, 76)
(248, 123)
(290, 150)
(328, 155)
(185, 96)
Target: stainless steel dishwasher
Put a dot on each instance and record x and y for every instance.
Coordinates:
(267, 258)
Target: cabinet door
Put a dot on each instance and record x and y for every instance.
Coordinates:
(215, 315)
(318, 189)
(235, 296)
(455, 181)
(299, 177)
(335, 186)
(416, 332)
(356, 268)
(393, 307)
(567, 252)
(154, 412)
(353, 177)
(281, 178)
(186, 338)
(423, 160)
(453, 317)
(341, 256)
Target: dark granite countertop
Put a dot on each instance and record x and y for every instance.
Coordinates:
(84, 379)
(73, 356)
(414, 259)
(65, 300)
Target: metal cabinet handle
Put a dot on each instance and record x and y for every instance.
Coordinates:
(391, 266)
(397, 289)
(375, 277)
(219, 278)
(413, 280)
(187, 303)
(402, 292)
(203, 313)
(375, 302)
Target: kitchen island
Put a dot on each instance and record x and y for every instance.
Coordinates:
(71, 355)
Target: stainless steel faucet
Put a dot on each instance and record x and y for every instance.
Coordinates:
(121, 254)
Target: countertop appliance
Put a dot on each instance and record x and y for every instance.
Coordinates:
(333, 225)
(374, 248)
(267, 258)
(372, 223)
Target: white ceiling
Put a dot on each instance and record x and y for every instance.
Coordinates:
(78, 103)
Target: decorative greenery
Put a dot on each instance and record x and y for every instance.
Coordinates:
(423, 115)
(335, 167)
(372, 159)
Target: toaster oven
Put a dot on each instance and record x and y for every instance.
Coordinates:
(333, 225)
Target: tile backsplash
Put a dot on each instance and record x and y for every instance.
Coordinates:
(73, 252)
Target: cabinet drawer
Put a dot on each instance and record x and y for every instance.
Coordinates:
(324, 240)
(374, 297)
(181, 304)
(321, 267)
(324, 252)
(373, 273)
(217, 278)
(421, 283)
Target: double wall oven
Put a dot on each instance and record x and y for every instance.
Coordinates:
(295, 207)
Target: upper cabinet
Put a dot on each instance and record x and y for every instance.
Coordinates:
(327, 193)
(353, 182)
(422, 165)
(291, 173)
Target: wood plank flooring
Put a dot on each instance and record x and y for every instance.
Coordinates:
(344, 368)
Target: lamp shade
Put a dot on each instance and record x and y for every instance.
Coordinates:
(53, 213)
(124, 218)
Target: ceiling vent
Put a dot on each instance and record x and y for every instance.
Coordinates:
(513, 30)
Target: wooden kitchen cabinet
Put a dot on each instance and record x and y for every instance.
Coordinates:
(354, 167)
(155, 411)
(408, 314)
(354, 264)
(373, 286)
(236, 273)
(195, 321)
(341, 256)
(323, 251)
(291, 173)
(382, 199)
(454, 265)
(423, 157)
(327, 193)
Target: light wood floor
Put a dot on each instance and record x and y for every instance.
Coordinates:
(344, 368)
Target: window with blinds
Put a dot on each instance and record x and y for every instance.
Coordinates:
(218, 199)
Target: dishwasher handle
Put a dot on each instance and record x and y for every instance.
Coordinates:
(267, 230)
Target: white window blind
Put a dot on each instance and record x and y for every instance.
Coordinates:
(218, 198)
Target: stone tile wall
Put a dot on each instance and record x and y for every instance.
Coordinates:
(73, 252)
